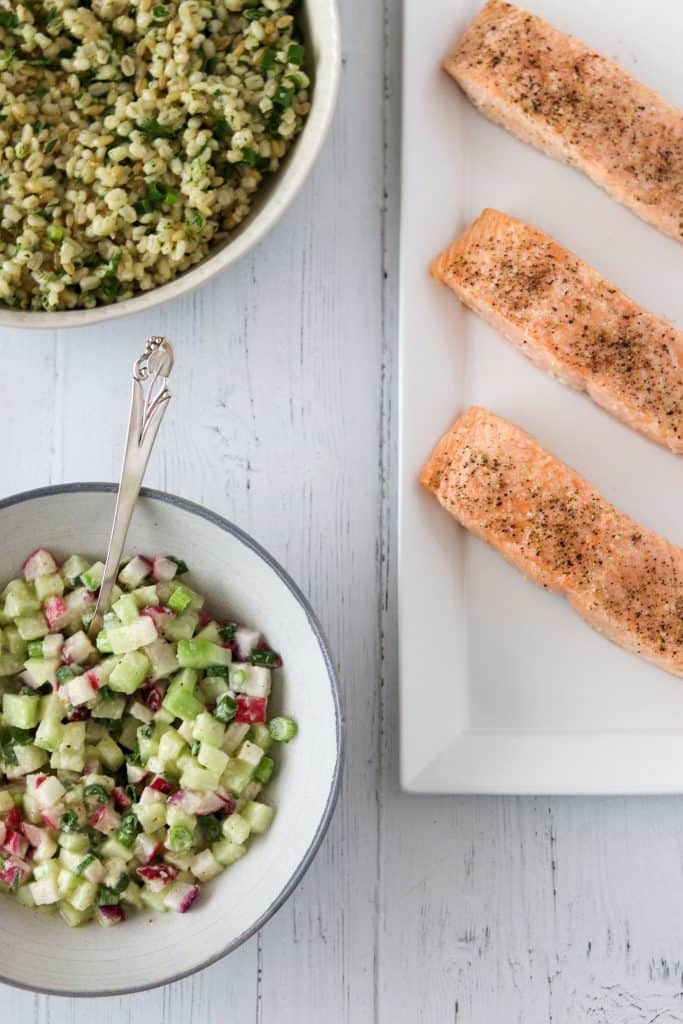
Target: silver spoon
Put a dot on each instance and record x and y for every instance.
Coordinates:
(148, 403)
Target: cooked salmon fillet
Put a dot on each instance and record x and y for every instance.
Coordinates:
(623, 579)
(569, 320)
(551, 90)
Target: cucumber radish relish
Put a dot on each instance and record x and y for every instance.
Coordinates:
(130, 769)
(134, 135)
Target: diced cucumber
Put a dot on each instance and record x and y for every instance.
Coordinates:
(126, 609)
(130, 638)
(73, 567)
(83, 896)
(196, 777)
(130, 672)
(49, 586)
(180, 628)
(32, 627)
(210, 632)
(110, 706)
(180, 699)
(162, 659)
(145, 596)
(73, 917)
(213, 687)
(42, 670)
(154, 900)
(211, 758)
(20, 599)
(226, 852)
(236, 828)
(50, 730)
(20, 711)
(251, 753)
(265, 770)
(113, 848)
(258, 816)
(92, 576)
(260, 733)
(152, 817)
(234, 734)
(29, 759)
(171, 746)
(110, 754)
(208, 730)
(200, 654)
(10, 664)
(74, 842)
(237, 775)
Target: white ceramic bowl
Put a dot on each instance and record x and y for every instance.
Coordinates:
(39, 951)
(321, 31)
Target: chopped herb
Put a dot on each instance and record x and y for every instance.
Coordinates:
(160, 13)
(283, 97)
(182, 566)
(95, 791)
(226, 708)
(40, 91)
(227, 632)
(295, 54)
(209, 66)
(50, 146)
(151, 129)
(267, 59)
(8, 20)
(250, 158)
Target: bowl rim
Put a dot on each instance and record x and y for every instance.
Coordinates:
(302, 159)
(226, 526)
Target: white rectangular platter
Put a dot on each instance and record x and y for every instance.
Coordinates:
(503, 688)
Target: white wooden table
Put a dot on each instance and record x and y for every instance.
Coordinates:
(473, 910)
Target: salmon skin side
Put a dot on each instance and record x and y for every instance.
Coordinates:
(570, 321)
(546, 520)
(554, 92)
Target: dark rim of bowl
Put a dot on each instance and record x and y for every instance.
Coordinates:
(297, 593)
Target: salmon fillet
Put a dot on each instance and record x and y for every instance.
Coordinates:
(554, 92)
(570, 321)
(546, 520)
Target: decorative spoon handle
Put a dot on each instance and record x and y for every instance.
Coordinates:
(149, 398)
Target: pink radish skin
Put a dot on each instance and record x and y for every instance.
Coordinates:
(157, 876)
(15, 844)
(39, 563)
(163, 569)
(111, 915)
(181, 897)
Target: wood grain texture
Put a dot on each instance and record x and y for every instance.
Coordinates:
(417, 909)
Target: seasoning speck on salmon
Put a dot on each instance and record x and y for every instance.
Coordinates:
(546, 520)
(570, 321)
(553, 91)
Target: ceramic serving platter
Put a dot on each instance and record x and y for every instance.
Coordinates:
(503, 688)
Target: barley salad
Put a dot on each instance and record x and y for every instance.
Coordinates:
(131, 768)
(134, 135)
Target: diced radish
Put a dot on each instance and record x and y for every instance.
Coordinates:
(77, 649)
(39, 563)
(152, 796)
(158, 614)
(210, 803)
(52, 645)
(82, 689)
(163, 569)
(15, 844)
(14, 872)
(181, 896)
(13, 818)
(151, 695)
(79, 602)
(135, 773)
(121, 798)
(162, 784)
(45, 891)
(244, 642)
(34, 834)
(146, 847)
(106, 820)
(229, 805)
(56, 612)
(157, 876)
(192, 801)
(137, 570)
(80, 714)
(203, 618)
(51, 816)
(250, 709)
(111, 915)
(47, 789)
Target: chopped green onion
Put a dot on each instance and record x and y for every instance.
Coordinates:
(127, 829)
(65, 672)
(282, 729)
(85, 864)
(182, 566)
(267, 59)
(210, 825)
(50, 146)
(217, 670)
(268, 658)
(160, 13)
(179, 839)
(97, 792)
(295, 54)
(227, 632)
(69, 822)
(226, 708)
(8, 20)
(35, 649)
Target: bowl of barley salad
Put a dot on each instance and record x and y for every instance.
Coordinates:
(145, 146)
